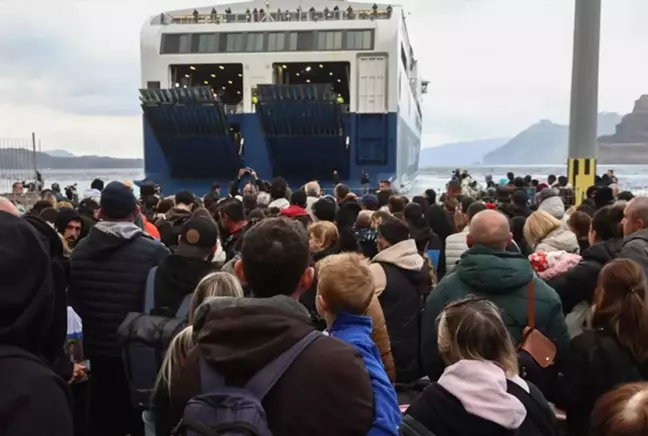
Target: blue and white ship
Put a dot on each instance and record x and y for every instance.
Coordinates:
(288, 88)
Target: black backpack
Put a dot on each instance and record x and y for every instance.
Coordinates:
(144, 340)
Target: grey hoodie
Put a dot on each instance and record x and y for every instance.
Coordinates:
(560, 239)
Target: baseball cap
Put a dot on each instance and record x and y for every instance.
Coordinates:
(117, 201)
(200, 232)
(370, 201)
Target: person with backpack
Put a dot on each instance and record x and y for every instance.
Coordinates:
(345, 294)
(34, 400)
(259, 365)
(480, 392)
(488, 270)
(169, 226)
(108, 272)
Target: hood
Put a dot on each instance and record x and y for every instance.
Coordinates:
(481, 389)
(279, 203)
(642, 234)
(294, 211)
(108, 236)
(492, 271)
(404, 255)
(181, 274)
(605, 251)
(177, 216)
(93, 194)
(27, 299)
(240, 336)
(553, 206)
(560, 239)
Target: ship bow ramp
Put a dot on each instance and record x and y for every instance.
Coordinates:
(303, 127)
(192, 131)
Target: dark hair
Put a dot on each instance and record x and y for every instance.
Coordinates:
(210, 199)
(590, 191)
(413, 212)
(324, 210)
(383, 198)
(233, 209)
(551, 178)
(88, 206)
(184, 197)
(517, 229)
(298, 198)
(396, 204)
(474, 208)
(278, 188)
(394, 230)
(275, 255)
(465, 203)
(510, 175)
(164, 206)
(625, 196)
(256, 215)
(50, 214)
(215, 186)
(527, 179)
(97, 184)
(579, 223)
(535, 182)
(40, 206)
(249, 202)
(621, 307)
(614, 415)
(422, 201)
(607, 222)
(341, 191)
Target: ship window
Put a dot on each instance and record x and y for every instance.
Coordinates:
(276, 41)
(254, 42)
(208, 43)
(185, 44)
(292, 41)
(234, 42)
(176, 43)
(153, 85)
(358, 40)
(305, 41)
(329, 40)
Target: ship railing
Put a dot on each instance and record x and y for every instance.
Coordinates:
(287, 16)
(232, 109)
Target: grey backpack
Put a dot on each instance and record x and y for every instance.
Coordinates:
(222, 410)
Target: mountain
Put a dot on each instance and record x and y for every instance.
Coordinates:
(543, 143)
(59, 153)
(23, 159)
(459, 153)
(629, 142)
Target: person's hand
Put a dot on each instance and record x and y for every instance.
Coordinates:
(79, 372)
(241, 173)
(253, 174)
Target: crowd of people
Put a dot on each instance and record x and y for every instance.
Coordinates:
(502, 310)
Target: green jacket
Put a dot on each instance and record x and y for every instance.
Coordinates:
(503, 278)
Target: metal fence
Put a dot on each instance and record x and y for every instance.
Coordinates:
(17, 162)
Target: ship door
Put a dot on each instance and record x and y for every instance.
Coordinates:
(372, 84)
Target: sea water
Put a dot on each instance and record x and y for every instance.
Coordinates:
(631, 177)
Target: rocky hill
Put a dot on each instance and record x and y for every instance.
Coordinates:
(543, 143)
(23, 159)
(633, 127)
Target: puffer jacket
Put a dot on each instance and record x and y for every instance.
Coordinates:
(455, 246)
(108, 271)
(635, 247)
(502, 277)
(561, 239)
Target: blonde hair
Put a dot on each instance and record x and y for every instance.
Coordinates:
(174, 358)
(346, 285)
(325, 233)
(472, 329)
(217, 284)
(538, 226)
(64, 205)
(48, 196)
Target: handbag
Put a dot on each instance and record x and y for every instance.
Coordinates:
(536, 352)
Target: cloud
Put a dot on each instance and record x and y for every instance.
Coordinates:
(70, 69)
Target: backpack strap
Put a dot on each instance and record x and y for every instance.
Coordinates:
(149, 293)
(183, 310)
(263, 381)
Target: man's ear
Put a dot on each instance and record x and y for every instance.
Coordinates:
(307, 278)
(238, 269)
(469, 241)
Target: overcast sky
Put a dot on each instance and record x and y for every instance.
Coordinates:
(69, 70)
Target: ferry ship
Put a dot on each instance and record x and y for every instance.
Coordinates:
(285, 87)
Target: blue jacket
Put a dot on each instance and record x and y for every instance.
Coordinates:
(356, 330)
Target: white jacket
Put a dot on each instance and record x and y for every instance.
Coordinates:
(455, 246)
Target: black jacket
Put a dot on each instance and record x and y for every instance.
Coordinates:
(444, 415)
(108, 273)
(33, 399)
(176, 277)
(579, 283)
(635, 247)
(596, 364)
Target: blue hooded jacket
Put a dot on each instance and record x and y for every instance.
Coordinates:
(356, 330)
